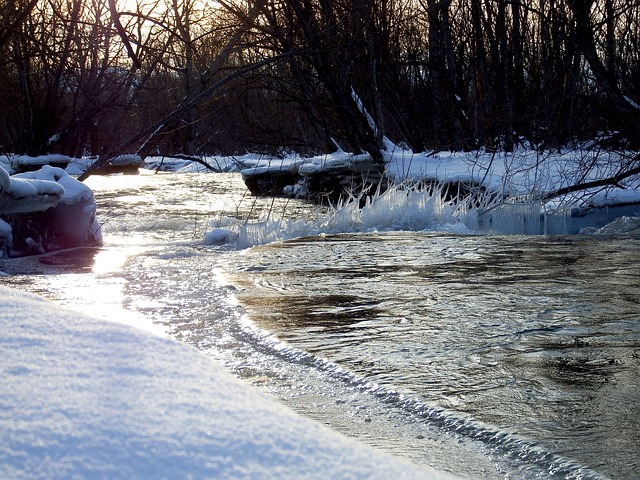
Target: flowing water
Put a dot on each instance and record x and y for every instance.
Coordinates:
(486, 356)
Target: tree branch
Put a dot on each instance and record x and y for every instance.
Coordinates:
(115, 18)
(152, 130)
(7, 30)
(603, 182)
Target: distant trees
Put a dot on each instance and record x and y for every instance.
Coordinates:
(189, 76)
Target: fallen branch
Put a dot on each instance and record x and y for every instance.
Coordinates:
(193, 158)
(615, 180)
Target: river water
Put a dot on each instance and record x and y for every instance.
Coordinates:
(485, 356)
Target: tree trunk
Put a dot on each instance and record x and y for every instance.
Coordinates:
(606, 79)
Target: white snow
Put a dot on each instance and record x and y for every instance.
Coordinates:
(44, 188)
(5, 179)
(28, 186)
(89, 398)
(26, 160)
(71, 222)
(72, 190)
(218, 236)
(524, 176)
(523, 172)
(25, 195)
(5, 230)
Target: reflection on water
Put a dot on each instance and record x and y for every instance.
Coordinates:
(76, 260)
(539, 336)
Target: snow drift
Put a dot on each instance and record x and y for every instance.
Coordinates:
(87, 398)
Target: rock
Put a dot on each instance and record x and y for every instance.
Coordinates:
(44, 211)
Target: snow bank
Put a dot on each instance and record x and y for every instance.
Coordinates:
(86, 398)
(523, 172)
(620, 226)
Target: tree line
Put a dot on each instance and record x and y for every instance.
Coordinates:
(101, 77)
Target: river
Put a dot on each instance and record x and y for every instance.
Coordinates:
(486, 356)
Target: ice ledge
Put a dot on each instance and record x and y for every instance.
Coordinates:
(89, 398)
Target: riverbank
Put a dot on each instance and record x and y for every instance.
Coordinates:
(86, 398)
(591, 186)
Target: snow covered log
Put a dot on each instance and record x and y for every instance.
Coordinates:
(335, 175)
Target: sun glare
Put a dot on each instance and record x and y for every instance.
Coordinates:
(156, 6)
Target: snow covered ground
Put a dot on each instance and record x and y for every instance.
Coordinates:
(87, 398)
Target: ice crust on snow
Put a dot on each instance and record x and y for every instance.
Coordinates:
(88, 398)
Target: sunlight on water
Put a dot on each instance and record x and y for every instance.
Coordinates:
(108, 260)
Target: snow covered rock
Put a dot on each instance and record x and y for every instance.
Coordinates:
(47, 210)
(26, 163)
(22, 195)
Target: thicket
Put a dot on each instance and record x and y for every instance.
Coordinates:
(98, 77)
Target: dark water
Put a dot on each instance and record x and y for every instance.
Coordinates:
(537, 336)
(486, 356)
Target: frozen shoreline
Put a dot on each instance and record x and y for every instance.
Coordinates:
(85, 397)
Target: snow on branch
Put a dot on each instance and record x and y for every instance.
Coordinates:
(364, 111)
(631, 102)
